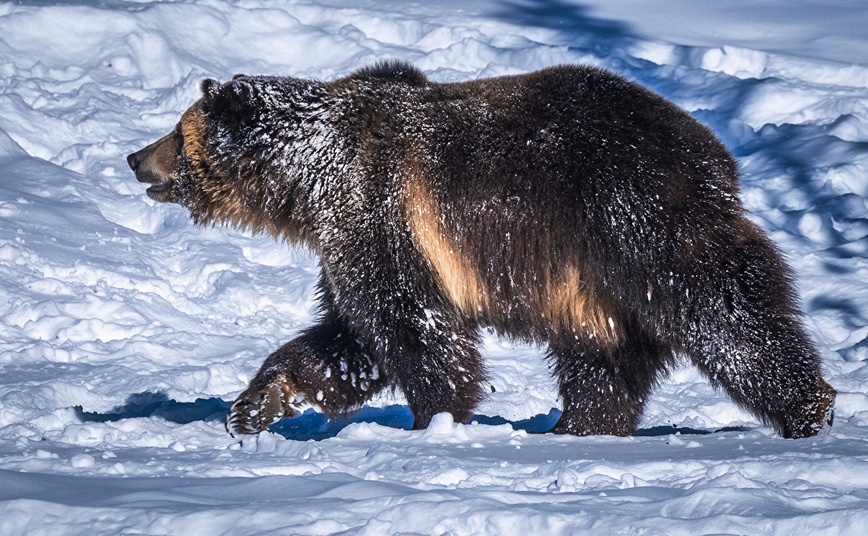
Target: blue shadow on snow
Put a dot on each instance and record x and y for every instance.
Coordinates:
(312, 425)
(159, 405)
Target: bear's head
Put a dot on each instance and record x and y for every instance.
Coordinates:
(198, 163)
(250, 153)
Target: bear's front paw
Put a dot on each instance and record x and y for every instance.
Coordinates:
(255, 409)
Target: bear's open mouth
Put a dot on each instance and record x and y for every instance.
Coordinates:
(160, 187)
(161, 191)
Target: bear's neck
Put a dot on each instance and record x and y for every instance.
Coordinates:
(305, 164)
(276, 171)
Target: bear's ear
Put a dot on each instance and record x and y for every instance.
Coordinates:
(232, 102)
(209, 87)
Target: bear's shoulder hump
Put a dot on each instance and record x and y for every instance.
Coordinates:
(391, 70)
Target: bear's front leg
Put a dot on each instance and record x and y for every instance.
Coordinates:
(325, 367)
(438, 369)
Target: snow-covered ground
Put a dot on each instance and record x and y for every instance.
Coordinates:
(125, 331)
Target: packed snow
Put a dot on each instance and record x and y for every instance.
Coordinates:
(125, 331)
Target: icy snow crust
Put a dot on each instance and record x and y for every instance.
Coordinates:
(125, 331)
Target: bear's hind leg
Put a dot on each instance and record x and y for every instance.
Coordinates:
(752, 344)
(325, 367)
(603, 388)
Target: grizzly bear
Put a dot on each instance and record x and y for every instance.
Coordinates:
(568, 207)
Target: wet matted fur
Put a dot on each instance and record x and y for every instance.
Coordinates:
(568, 207)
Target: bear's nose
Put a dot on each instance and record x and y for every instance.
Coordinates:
(133, 161)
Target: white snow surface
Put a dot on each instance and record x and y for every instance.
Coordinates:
(125, 331)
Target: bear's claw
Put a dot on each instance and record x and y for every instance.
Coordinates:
(254, 411)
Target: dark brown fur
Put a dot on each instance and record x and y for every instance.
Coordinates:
(567, 207)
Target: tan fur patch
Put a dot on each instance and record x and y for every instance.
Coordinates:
(563, 299)
(567, 302)
(458, 277)
(192, 125)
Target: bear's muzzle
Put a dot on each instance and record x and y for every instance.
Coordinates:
(157, 165)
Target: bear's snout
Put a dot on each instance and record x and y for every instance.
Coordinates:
(157, 165)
